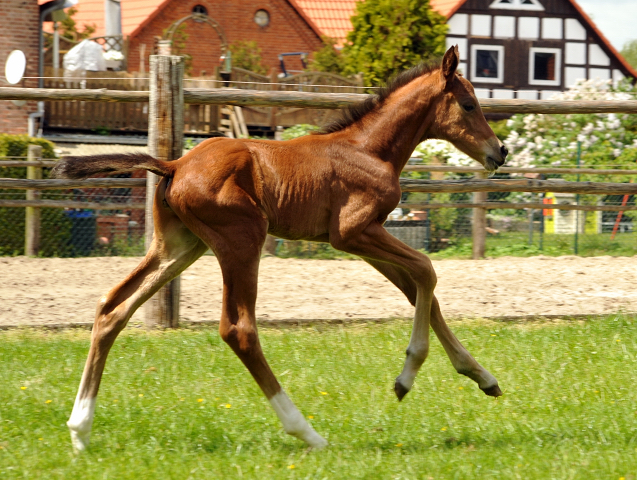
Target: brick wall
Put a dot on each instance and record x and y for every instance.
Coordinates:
(286, 32)
(18, 31)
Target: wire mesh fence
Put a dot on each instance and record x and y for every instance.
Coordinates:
(442, 232)
(75, 232)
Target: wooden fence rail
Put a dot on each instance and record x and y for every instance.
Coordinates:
(519, 206)
(240, 97)
(407, 185)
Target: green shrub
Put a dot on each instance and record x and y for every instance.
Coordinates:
(55, 232)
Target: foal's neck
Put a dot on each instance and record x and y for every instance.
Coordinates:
(393, 130)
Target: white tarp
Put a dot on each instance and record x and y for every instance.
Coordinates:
(86, 55)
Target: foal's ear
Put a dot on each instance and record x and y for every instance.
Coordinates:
(450, 64)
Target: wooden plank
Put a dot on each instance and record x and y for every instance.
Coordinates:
(542, 170)
(479, 224)
(71, 204)
(55, 184)
(520, 206)
(526, 185)
(240, 97)
(165, 142)
(28, 163)
(32, 214)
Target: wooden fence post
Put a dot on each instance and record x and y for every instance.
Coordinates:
(479, 227)
(165, 142)
(32, 214)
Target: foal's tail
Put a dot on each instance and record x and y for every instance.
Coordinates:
(84, 167)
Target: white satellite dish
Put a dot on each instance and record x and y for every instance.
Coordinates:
(15, 67)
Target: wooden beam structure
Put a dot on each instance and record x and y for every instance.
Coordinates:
(264, 98)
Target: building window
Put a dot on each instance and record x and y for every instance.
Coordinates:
(487, 63)
(200, 9)
(545, 66)
(262, 18)
(517, 5)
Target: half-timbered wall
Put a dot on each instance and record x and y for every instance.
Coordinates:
(528, 49)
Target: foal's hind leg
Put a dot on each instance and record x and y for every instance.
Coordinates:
(172, 251)
(376, 244)
(238, 249)
(460, 358)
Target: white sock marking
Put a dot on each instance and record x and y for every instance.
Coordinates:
(81, 422)
(293, 421)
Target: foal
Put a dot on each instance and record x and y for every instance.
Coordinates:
(336, 187)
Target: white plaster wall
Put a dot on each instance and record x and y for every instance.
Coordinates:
(617, 76)
(462, 46)
(575, 53)
(481, 25)
(459, 24)
(502, 93)
(527, 94)
(482, 92)
(599, 73)
(547, 94)
(597, 56)
(529, 28)
(552, 28)
(572, 74)
(462, 68)
(504, 27)
(574, 30)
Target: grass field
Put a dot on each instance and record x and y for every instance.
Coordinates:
(178, 404)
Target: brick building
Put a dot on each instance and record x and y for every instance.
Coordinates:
(19, 31)
(278, 26)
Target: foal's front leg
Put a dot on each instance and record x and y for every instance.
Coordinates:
(460, 358)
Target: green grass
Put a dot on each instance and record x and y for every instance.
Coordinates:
(569, 408)
(516, 244)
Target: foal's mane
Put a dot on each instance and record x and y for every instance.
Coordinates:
(354, 113)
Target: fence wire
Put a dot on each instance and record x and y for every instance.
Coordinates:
(442, 232)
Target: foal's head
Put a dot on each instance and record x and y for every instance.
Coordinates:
(459, 118)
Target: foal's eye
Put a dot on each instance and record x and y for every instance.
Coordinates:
(469, 107)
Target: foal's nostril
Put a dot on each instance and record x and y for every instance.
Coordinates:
(504, 151)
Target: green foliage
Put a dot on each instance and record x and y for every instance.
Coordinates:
(180, 404)
(328, 58)
(18, 146)
(247, 55)
(501, 129)
(55, 226)
(551, 140)
(629, 52)
(390, 36)
(178, 47)
(68, 27)
(298, 131)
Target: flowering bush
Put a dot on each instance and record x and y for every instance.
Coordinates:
(551, 140)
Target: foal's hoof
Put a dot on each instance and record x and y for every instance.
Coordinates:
(400, 390)
(493, 391)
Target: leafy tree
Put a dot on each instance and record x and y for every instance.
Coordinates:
(390, 36)
(327, 59)
(247, 55)
(629, 52)
(68, 27)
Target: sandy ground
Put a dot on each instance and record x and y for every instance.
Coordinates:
(58, 291)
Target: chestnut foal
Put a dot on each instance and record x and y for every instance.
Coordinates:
(337, 187)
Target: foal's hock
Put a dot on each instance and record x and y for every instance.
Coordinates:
(337, 186)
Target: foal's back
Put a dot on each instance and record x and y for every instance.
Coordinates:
(300, 185)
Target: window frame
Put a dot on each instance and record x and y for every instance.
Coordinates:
(474, 77)
(518, 5)
(558, 66)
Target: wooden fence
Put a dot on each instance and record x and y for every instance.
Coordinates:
(170, 104)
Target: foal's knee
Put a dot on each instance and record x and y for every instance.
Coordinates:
(109, 321)
(424, 274)
(242, 338)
